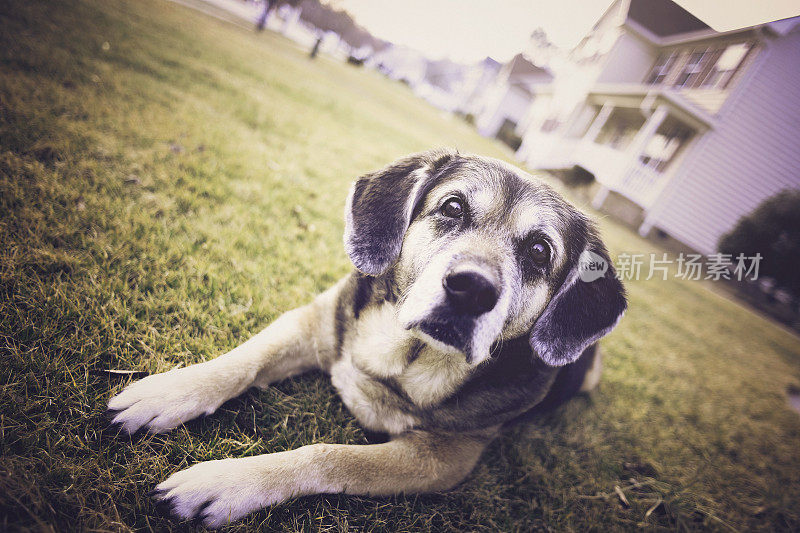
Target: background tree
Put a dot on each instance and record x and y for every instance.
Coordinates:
(269, 7)
(773, 230)
(327, 18)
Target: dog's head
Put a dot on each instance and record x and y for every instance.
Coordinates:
(480, 252)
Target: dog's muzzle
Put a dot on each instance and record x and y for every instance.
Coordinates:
(471, 290)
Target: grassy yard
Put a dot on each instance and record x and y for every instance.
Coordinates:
(170, 183)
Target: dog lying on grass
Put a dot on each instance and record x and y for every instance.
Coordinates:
(469, 308)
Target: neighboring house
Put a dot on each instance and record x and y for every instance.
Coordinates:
(442, 84)
(400, 63)
(693, 127)
(506, 101)
(477, 80)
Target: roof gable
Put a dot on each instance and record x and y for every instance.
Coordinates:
(664, 17)
(521, 68)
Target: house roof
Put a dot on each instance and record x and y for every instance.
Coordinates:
(519, 67)
(664, 17)
(665, 23)
(489, 62)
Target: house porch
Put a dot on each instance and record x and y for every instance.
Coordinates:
(631, 141)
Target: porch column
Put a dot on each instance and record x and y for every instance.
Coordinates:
(591, 134)
(645, 227)
(598, 122)
(647, 131)
(600, 197)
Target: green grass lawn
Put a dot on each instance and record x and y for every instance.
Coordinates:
(170, 183)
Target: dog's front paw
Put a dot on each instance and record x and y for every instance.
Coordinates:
(218, 492)
(164, 401)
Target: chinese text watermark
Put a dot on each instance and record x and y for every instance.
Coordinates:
(640, 266)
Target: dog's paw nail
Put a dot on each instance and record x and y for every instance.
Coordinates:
(164, 507)
(109, 423)
(200, 515)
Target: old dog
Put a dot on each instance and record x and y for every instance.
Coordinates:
(467, 310)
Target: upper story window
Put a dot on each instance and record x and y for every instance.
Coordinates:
(661, 68)
(690, 76)
(726, 66)
(711, 67)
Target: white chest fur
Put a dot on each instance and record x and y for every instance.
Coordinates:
(378, 348)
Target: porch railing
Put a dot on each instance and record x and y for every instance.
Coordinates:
(641, 184)
(619, 172)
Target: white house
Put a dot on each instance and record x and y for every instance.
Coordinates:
(477, 80)
(400, 63)
(443, 83)
(693, 126)
(507, 99)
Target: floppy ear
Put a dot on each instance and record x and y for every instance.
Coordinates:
(380, 207)
(579, 314)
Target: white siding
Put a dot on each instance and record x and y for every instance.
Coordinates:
(753, 153)
(629, 61)
(512, 104)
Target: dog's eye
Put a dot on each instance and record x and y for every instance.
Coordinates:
(540, 252)
(452, 207)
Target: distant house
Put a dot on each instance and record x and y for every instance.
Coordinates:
(506, 101)
(442, 84)
(400, 63)
(477, 80)
(686, 128)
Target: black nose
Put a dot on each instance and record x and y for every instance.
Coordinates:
(470, 292)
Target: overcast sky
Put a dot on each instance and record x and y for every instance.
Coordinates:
(467, 30)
